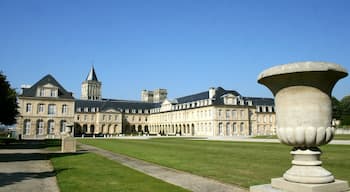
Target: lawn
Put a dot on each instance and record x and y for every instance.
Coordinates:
(90, 172)
(336, 137)
(238, 163)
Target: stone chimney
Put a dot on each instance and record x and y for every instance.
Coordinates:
(212, 92)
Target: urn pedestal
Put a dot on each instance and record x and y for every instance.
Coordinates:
(303, 108)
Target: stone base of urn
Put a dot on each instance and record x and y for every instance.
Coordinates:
(68, 145)
(281, 185)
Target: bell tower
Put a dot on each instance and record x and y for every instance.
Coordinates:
(91, 87)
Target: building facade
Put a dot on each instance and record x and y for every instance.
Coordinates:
(215, 112)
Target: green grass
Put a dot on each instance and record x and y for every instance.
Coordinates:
(90, 172)
(238, 163)
(336, 137)
(342, 137)
(265, 137)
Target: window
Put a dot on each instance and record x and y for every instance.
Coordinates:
(227, 114)
(41, 108)
(78, 117)
(110, 117)
(227, 129)
(234, 114)
(234, 128)
(116, 118)
(41, 92)
(64, 109)
(219, 112)
(52, 109)
(40, 127)
(242, 114)
(51, 127)
(63, 126)
(241, 127)
(103, 117)
(220, 128)
(85, 117)
(28, 107)
(53, 93)
(92, 117)
(26, 130)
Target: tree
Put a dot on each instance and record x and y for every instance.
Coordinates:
(336, 108)
(8, 102)
(345, 108)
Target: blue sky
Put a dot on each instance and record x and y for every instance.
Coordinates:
(185, 46)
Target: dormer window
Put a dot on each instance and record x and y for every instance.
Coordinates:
(53, 93)
(41, 92)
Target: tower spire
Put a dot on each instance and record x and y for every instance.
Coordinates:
(92, 75)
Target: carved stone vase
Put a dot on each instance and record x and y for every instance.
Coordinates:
(304, 114)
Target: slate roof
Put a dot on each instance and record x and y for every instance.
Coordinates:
(92, 75)
(261, 101)
(62, 93)
(205, 95)
(119, 105)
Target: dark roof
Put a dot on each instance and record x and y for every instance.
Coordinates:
(62, 93)
(119, 105)
(219, 91)
(92, 75)
(261, 101)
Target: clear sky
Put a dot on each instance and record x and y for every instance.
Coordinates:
(185, 46)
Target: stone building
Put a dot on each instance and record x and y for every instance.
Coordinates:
(215, 112)
(46, 108)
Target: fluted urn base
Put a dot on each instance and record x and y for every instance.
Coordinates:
(307, 167)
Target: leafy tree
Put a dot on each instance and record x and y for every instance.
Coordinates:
(336, 108)
(345, 108)
(8, 102)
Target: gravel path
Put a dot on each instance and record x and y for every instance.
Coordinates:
(26, 170)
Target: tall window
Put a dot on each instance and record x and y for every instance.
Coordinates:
(227, 114)
(220, 128)
(41, 108)
(64, 109)
(40, 127)
(242, 114)
(28, 107)
(227, 129)
(219, 112)
(63, 126)
(52, 109)
(26, 130)
(241, 128)
(234, 128)
(234, 114)
(51, 127)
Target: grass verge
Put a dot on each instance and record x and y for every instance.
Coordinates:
(238, 163)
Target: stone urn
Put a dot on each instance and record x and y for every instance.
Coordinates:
(304, 114)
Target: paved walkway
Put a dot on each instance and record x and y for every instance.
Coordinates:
(185, 180)
(26, 170)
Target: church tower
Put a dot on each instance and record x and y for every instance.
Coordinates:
(91, 87)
